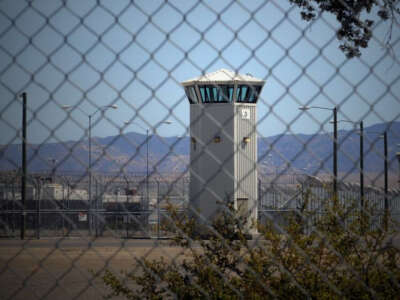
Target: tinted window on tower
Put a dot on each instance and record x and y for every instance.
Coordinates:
(191, 94)
(247, 94)
(216, 93)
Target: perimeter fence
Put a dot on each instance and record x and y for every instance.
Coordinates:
(58, 206)
(270, 79)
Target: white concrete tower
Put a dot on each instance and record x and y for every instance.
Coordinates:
(223, 150)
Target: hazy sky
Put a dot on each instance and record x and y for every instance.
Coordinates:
(135, 54)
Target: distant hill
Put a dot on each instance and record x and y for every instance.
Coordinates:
(311, 153)
(305, 153)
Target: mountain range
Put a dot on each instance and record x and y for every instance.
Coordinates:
(284, 152)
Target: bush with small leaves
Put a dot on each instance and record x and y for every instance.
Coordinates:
(331, 255)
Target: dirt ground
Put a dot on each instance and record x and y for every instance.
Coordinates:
(47, 270)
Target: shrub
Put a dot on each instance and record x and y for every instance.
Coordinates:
(339, 255)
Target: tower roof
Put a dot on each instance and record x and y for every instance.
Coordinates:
(224, 76)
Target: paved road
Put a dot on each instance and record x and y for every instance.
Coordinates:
(62, 268)
(83, 242)
(87, 242)
(70, 268)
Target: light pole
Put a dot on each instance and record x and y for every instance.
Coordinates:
(334, 111)
(385, 153)
(102, 109)
(144, 205)
(362, 194)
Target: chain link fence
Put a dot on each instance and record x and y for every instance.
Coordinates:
(98, 137)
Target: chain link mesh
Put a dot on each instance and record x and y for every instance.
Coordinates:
(108, 131)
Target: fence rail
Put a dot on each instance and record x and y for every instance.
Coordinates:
(123, 216)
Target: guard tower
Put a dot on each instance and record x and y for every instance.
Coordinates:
(223, 150)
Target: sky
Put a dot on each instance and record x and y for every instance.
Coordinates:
(91, 54)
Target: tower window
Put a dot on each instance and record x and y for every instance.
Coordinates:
(216, 93)
(191, 94)
(247, 94)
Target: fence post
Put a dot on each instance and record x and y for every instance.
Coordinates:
(23, 179)
(38, 196)
(158, 210)
(96, 208)
(13, 206)
(386, 201)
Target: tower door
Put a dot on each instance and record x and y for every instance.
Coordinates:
(242, 207)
